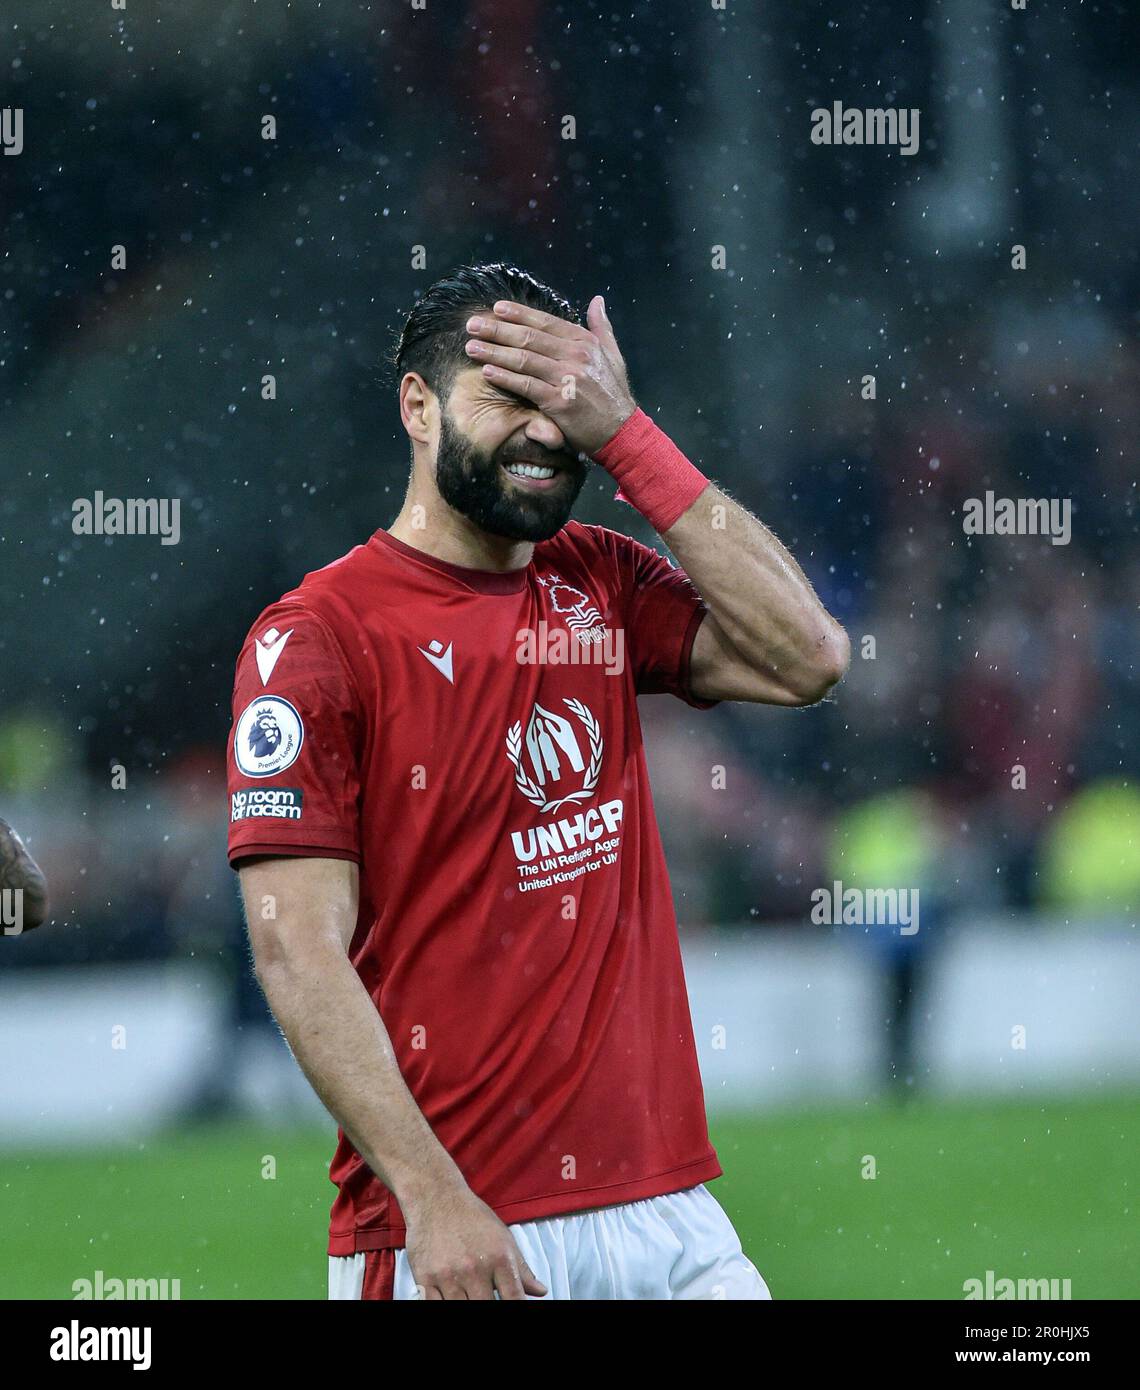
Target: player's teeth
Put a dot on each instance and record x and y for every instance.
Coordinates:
(530, 470)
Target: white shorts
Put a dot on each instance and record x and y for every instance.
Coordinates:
(680, 1245)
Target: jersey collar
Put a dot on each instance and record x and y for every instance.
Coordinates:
(482, 581)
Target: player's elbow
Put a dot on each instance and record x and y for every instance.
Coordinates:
(279, 970)
(277, 951)
(268, 949)
(824, 667)
(287, 953)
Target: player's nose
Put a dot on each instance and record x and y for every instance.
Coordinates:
(542, 430)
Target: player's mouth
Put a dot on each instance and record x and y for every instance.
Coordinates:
(534, 476)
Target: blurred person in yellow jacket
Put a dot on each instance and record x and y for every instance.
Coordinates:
(886, 862)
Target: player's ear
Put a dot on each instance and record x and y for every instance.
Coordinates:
(417, 400)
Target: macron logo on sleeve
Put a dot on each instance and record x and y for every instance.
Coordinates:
(269, 648)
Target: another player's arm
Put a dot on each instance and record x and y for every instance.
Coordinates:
(19, 872)
(767, 637)
(301, 914)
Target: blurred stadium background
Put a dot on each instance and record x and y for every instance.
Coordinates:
(822, 1048)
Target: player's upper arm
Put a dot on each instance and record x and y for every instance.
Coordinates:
(661, 613)
(298, 906)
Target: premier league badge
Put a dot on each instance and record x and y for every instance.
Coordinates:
(269, 737)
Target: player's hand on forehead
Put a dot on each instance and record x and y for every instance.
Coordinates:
(515, 321)
(512, 331)
(574, 374)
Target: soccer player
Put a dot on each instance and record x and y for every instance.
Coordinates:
(440, 813)
(23, 889)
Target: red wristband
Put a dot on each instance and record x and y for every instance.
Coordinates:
(652, 474)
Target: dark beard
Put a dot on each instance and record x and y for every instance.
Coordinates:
(473, 484)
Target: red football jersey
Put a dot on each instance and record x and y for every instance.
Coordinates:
(472, 741)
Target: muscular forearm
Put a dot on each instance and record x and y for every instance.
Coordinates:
(768, 637)
(341, 1043)
(20, 873)
(763, 602)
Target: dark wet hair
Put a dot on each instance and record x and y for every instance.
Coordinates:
(432, 338)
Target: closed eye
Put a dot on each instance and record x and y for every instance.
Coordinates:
(498, 395)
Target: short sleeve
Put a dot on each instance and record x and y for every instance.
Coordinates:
(663, 611)
(293, 764)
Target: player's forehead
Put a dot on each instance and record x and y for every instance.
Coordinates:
(472, 393)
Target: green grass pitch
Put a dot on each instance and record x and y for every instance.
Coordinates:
(1030, 1190)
